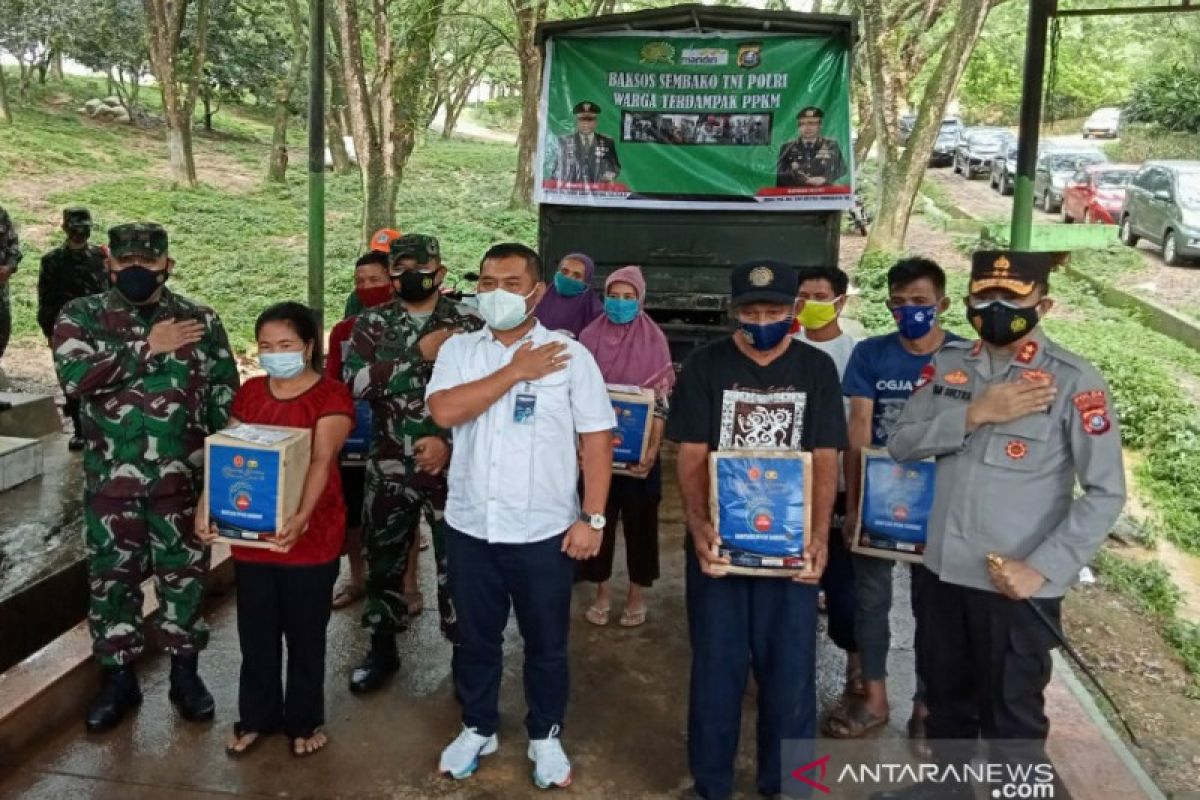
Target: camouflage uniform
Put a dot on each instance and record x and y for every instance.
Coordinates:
(145, 418)
(10, 256)
(68, 273)
(384, 366)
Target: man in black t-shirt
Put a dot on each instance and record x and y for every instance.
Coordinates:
(756, 390)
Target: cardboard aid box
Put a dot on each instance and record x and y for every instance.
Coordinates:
(634, 409)
(895, 504)
(761, 507)
(255, 478)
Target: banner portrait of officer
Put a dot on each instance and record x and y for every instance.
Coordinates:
(586, 156)
(810, 159)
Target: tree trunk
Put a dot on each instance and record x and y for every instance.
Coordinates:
(529, 13)
(337, 142)
(277, 169)
(56, 66)
(901, 180)
(457, 100)
(5, 111)
(206, 99)
(862, 147)
(165, 24)
(412, 99)
(26, 71)
(335, 112)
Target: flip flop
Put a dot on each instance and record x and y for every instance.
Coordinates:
(240, 733)
(348, 595)
(633, 617)
(597, 615)
(853, 721)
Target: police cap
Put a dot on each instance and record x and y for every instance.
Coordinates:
(586, 107)
(1019, 273)
(810, 112)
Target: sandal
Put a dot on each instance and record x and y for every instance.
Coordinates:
(348, 594)
(633, 617)
(917, 741)
(299, 744)
(233, 751)
(853, 721)
(597, 615)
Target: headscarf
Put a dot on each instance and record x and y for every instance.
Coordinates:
(572, 314)
(635, 354)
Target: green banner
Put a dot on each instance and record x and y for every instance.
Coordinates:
(719, 120)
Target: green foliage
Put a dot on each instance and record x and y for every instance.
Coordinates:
(503, 113)
(1141, 142)
(1148, 582)
(1169, 98)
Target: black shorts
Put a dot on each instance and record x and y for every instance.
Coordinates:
(354, 479)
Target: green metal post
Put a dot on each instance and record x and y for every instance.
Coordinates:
(316, 163)
(1040, 12)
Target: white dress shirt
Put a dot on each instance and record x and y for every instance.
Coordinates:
(515, 482)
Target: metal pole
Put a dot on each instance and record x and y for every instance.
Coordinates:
(316, 162)
(1040, 12)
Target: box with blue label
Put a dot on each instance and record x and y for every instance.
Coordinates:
(358, 443)
(761, 506)
(894, 507)
(254, 476)
(634, 409)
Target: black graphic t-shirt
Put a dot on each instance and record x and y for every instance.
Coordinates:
(729, 402)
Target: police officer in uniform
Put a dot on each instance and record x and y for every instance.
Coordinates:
(586, 156)
(1014, 421)
(810, 159)
(73, 269)
(154, 376)
(10, 257)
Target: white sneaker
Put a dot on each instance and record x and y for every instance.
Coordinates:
(550, 765)
(460, 759)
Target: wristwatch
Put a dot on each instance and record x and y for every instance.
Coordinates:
(595, 521)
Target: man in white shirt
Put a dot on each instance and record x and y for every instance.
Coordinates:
(822, 299)
(518, 398)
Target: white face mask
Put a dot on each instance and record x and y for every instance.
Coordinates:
(503, 310)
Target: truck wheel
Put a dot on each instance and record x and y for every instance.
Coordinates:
(1128, 237)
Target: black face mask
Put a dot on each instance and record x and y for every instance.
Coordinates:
(1001, 323)
(137, 282)
(415, 286)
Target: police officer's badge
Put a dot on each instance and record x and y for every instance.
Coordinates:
(761, 276)
(749, 55)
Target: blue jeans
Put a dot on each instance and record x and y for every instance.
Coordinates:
(873, 589)
(536, 580)
(740, 625)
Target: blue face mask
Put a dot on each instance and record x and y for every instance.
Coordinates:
(620, 310)
(914, 321)
(766, 336)
(568, 286)
(282, 365)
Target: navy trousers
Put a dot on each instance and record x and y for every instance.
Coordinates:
(838, 582)
(486, 580)
(740, 625)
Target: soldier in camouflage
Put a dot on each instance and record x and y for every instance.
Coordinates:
(73, 269)
(390, 359)
(10, 257)
(154, 376)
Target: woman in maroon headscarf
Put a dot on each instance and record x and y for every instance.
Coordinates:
(631, 350)
(570, 304)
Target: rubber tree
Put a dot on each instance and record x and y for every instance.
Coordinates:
(178, 65)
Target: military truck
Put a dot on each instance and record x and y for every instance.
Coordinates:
(688, 139)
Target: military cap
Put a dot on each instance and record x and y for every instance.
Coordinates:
(586, 107)
(381, 240)
(146, 238)
(810, 112)
(763, 281)
(416, 245)
(77, 217)
(1017, 272)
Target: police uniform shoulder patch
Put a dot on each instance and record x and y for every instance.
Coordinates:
(1093, 411)
(1028, 352)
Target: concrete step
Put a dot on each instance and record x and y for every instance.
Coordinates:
(20, 460)
(31, 416)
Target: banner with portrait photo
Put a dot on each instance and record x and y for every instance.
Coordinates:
(684, 120)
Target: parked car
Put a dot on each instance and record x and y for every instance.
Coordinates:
(909, 121)
(943, 147)
(1002, 174)
(977, 147)
(1162, 205)
(1096, 193)
(1054, 169)
(1104, 122)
